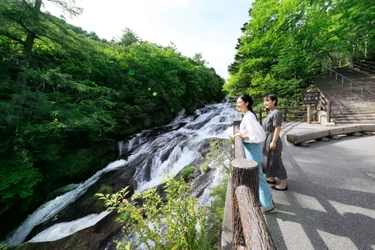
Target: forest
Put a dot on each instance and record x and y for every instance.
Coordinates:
(285, 44)
(67, 96)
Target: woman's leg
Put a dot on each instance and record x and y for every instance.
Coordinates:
(265, 195)
(278, 166)
(254, 152)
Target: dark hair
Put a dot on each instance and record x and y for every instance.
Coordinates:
(271, 97)
(247, 98)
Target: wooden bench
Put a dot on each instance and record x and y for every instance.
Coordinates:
(301, 138)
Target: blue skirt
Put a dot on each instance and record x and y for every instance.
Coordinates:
(253, 151)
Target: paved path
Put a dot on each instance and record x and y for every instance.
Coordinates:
(330, 203)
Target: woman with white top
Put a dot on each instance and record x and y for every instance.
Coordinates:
(253, 135)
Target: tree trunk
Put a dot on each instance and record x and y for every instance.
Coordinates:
(28, 47)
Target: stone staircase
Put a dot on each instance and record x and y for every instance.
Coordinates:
(350, 103)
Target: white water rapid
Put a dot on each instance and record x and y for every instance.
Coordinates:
(168, 151)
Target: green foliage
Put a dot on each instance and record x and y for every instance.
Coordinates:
(221, 156)
(188, 173)
(66, 97)
(216, 209)
(173, 223)
(129, 37)
(105, 190)
(221, 152)
(205, 167)
(3, 246)
(285, 43)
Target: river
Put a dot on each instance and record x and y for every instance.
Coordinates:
(176, 146)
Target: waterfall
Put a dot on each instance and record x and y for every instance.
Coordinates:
(156, 155)
(53, 207)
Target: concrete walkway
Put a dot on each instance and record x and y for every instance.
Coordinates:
(330, 203)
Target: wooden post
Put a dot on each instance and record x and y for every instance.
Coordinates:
(260, 116)
(328, 111)
(257, 235)
(244, 172)
(308, 113)
(238, 147)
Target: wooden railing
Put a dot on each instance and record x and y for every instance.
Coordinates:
(354, 87)
(249, 229)
(296, 113)
(325, 105)
(365, 65)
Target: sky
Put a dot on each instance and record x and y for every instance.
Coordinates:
(208, 27)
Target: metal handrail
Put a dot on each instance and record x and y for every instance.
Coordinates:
(351, 82)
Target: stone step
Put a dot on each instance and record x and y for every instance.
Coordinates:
(364, 81)
(354, 122)
(349, 104)
(345, 90)
(359, 113)
(358, 107)
(354, 116)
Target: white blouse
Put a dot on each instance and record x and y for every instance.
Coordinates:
(251, 127)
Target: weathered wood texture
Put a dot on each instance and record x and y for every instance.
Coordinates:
(256, 234)
(244, 173)
(303, 136)
(238, 147)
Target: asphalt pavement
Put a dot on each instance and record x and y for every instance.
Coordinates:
(330, 203)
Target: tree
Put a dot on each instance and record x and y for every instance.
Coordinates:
(129, 37)
(284, 43)
(24, 22)
(78, 95)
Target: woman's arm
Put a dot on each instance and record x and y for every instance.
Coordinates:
(238, 133)
(251, 130)
(276, 135)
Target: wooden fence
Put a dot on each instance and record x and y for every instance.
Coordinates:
(297, 113)
(365, 65)
(249, 229)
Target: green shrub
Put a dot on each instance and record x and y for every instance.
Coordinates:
(105, 190)
(177, 222)
(3, 246)
(205, 167)
(215, 211)
(174, 223)
(188, 173)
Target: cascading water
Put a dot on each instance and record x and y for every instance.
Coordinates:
(155, 155)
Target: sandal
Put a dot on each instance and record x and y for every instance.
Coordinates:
(273, 210)
(271, 182)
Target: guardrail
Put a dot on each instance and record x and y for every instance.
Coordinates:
(352, 84)
(248, 227)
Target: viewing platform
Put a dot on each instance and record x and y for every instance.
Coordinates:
(330, 203)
